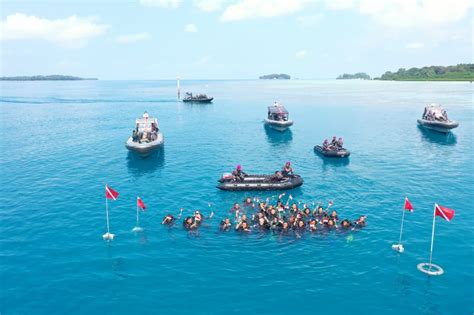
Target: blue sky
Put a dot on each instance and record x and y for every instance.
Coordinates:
(231, 39)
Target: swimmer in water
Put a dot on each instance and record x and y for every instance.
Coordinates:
(225, 225)
(360, 222)
(168, 220)
(312, 225)
(346, 224)
(242, 226)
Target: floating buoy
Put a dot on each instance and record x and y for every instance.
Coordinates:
(430, 269)
(108, 236)
(398, 247)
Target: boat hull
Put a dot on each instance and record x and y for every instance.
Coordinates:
(342, 153)
(438, 126)
(144, 149)
(199, 101)
(278, 125)
(260, 182)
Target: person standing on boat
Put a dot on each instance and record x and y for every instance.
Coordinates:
(287, 170)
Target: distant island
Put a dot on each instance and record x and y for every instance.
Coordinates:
(358, 75)
(54, 77)
(281, 76)
(460, 72)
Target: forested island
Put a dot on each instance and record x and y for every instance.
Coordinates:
(460, 72)
(281, 76)
(54, 77)
(358, 75)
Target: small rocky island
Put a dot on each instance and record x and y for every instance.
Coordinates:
(281, 76)
(54, 77)
(358, 75)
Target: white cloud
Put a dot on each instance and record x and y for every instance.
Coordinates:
(132, 38)
(340, 4)
(301, 54)
(414, 45)
(161, 3)
(73, 31)
(251, 9)
(415, 13)
(309, 20)
(190, 28)
(209, 5)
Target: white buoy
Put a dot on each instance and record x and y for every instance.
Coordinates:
(108, 236)
(398, 247)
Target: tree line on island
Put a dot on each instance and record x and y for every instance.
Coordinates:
(460, 72)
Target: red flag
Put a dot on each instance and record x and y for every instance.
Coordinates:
(140, 203)
(110, 193)
(408, 205)
(444, 212)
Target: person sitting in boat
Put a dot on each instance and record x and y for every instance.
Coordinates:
(238, 174)
(325, 144)
(334, 141)
(134, 135)
(340, 143)
(277, 176)
(144, 137)
(287, 170)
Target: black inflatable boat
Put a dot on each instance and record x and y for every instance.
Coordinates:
(260, 182)
(337, 153)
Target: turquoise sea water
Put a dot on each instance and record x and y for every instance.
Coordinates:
(62, 141)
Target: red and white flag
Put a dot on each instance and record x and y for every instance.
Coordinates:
(444, 212)
(140, 203)
(110, 193)
(408, 206)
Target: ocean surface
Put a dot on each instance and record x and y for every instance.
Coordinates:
(61, 142)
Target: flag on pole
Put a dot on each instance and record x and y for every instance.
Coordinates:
(444, 212)
(110, 193)
(408, 206)
(140, 203)
(330, 203)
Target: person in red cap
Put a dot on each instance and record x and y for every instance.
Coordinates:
(287, 170)
(238, 173)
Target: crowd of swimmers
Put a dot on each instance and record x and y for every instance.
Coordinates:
(239, 175)
(335, 144)
(257, 215)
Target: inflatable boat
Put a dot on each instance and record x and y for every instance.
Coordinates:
(435, 118)
(334, 153)
(259, 182)
(277, 117)
(200, 98)
(146, 136)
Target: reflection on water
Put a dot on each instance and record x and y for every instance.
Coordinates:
(142, 166)
(334, 161)
(437, 137)
(276, 137)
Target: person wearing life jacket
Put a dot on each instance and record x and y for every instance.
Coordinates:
(325, 144)
(225, 225)
(360, 222)
(238, 174)
(287, 170)
(340, 142)
(168, 220)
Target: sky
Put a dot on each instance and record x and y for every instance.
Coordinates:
(231, 39)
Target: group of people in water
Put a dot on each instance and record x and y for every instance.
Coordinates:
(239, 175)
(335, 144)
(258, 215)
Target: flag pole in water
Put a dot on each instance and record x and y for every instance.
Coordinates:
(407, 206)
(139, 203)
(430, 268)
(108, 235)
